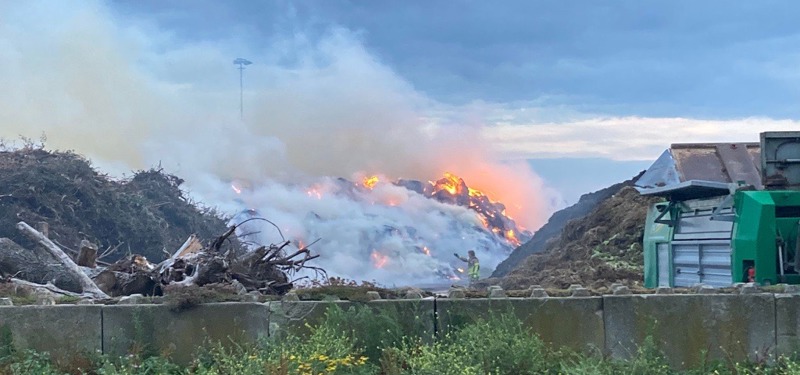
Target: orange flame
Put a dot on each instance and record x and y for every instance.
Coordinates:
(369, 182)
(236, 189)
(379, 260)
(491, 214)
(512, 237)
(475, 193)
(484, 221)
(450, 182)
(313, 192)
(426, 250)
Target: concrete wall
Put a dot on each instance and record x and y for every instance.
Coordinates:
(689, 329)
(787, 324)
(155, 329)
(417, 317)
(574, 322)
(724, 327)
(64, 331)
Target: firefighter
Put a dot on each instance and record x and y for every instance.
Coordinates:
(473, 265)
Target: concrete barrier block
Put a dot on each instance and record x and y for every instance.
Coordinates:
(538, 293)
(724, 326)
(621, 290)
(787, 324)
(573, 322)
(64, 331)
(155, 329)
(456, 293)
(497, 293)
(294, 317)
(416, 317)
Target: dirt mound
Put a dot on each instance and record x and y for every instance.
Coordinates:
(146, 214)
(556, 224)
(601, 248)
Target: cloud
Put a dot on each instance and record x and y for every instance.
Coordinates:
(622, 58)
(622, 138)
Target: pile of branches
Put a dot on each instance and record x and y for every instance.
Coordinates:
(266, 269)
(142, 214)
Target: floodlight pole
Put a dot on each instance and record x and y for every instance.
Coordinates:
(241, 62)
(241, 91)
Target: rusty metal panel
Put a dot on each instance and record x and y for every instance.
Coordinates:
(689, 168)
(698, 162)
(739, 164)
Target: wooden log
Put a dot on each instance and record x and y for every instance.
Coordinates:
(137, 283)
(107, 282)
(214, 270)
(89, 287)
(49, 287)
(35, 265)
(87, 255)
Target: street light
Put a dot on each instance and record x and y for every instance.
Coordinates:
(242, 63)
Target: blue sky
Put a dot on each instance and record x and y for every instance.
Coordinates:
(587, 92)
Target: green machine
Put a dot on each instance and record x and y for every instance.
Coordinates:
(731, 213)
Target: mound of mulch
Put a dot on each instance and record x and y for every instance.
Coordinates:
(147, 214)
(602, 248)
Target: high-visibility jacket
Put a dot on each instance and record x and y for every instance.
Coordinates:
(474, 269)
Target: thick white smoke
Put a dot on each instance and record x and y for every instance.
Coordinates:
(129, 94)
(388, 234)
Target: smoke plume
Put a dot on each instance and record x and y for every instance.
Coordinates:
(130, 94)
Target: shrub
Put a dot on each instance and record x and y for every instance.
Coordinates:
(135, 365)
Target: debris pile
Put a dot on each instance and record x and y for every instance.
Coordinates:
(144, 214)
(74, 208)
(264, 270)
(602, 248)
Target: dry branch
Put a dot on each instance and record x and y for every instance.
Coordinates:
(89, 287)
(190, 246)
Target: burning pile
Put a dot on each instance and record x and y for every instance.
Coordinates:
(452, 189)
(401, 231)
